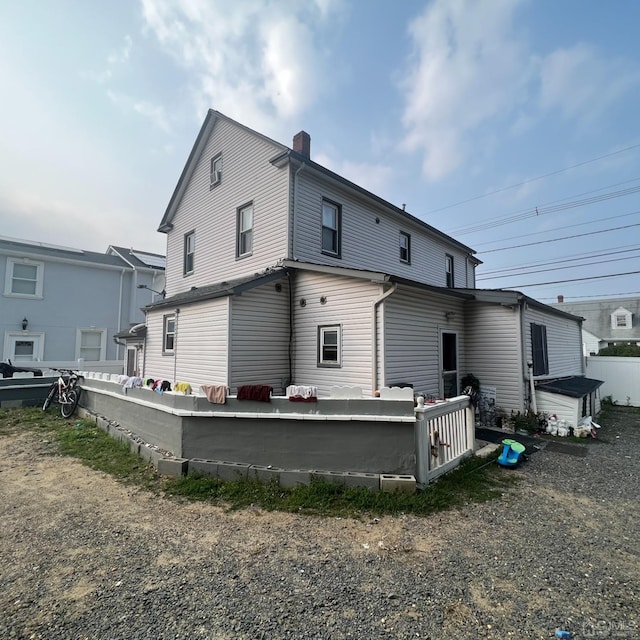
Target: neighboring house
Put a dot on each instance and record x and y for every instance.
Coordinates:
(280, 271)
(61, 305)
(607, 322)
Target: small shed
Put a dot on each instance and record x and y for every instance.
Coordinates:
(570, 399)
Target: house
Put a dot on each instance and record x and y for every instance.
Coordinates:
(281, 271)
(607, 322)
(62, 305)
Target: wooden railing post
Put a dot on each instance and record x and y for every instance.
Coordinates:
(422, 444)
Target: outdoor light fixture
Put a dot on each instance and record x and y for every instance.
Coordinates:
(25, 324)
(449, 314)
(162, 293)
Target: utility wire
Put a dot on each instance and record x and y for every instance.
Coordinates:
(607, 296)
(540, 284)
(578, 235)
(546, 175)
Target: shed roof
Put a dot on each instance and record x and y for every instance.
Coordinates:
(574, 387)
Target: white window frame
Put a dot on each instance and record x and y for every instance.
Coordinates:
(11, 337)
(9, 277)
(189, 253)
(103, 343)
(335, 229)
(215, 172)
(171, 317)
(323, 330)
(450, 272)
(244, 239)
(405, 246)
(621, 319)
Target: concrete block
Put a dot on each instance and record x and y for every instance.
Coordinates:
(174, 467)
(134, 446)
(390, 482)
(369, 481)
(487, 450)
(290, 478)
(331, 477)
(233, 471)
(150, 455)
(204, 467)
(263, 474)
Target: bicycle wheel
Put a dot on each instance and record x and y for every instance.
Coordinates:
(69, 403)
(50, 396)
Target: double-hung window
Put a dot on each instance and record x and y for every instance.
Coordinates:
(23, 278)
(215, 177)
(189, 252)
(449, 271)
(405, 247)
(329, 346)
(331, 228)
(169, 335)
(244, 240)
(539, 353)
(90, 344)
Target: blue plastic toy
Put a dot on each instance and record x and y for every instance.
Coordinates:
(511, 452)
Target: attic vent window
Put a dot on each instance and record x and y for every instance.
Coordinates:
(216, 171)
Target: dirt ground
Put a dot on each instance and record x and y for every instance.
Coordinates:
(85, 556)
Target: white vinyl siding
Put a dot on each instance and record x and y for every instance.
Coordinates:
(493, 352)
(349, 303)
(365, 243)
(259, 351)
(564, 343)
(413, 320)
(248, 176)
(200, 350)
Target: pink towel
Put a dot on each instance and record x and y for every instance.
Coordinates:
(216, 393)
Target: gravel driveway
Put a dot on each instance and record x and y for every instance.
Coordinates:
(83, 556)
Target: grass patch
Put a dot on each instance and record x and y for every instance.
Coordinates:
(476, 480)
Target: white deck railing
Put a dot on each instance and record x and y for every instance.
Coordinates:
(445, 435)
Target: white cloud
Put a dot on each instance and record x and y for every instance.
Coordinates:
(259, 61)
(118, 57)
(154, 113)
(468, 67)
(374, 177)
(582, 83)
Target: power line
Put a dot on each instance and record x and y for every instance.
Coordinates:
(546, 175)
(608, 295)
(540, 284)
(578, 235)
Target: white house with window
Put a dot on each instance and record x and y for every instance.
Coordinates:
(300, 276)
(63, 305)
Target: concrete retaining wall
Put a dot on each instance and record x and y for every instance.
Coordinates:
(23, 392)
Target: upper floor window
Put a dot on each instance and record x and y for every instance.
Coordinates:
(329, 346)
(189, 252)
(331, 228)
(168, 334)
(215, 177)
(90, 344)
(621, 318)
(23, 278)
(621, 321)
(449, 271)
(539, 354)
(405, 247)
(244, 241)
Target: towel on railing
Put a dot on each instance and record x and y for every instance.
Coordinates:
(256, 392)
(182, 387)
(302, 393)
(165, 385)
(216, 393)
(132, 382)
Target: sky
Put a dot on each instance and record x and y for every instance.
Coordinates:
(512, 125)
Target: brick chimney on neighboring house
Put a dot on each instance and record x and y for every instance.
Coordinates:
(302, 144)
(560, 299)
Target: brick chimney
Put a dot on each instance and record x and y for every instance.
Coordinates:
(302, 144)
(560, 298)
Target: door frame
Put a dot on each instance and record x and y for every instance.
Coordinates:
(10, 339)
(441, 369)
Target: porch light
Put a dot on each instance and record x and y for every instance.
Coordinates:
(25, 324)
(449, 314)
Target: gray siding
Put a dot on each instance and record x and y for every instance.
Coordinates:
(367, 244)
(247, 176)
(564, 343)
(201, 354)
(350, 305)
(413, 320)
(493, 351)
(260, 337)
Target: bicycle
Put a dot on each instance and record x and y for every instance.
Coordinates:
(65, 392)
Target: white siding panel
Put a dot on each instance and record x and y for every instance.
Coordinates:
(247, 176)
(349, 304)
(260, 337)
(413, 319)
(155, 364)
(493, 352)
(564, 407)
(367, 244)
(564, 343)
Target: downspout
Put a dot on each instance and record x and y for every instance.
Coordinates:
(175, 349)
(144, 348)
(374, 336)
(527, 365)
(120, 312)
(295, 200)
(291, 279)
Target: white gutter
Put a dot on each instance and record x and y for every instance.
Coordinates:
(374, 336)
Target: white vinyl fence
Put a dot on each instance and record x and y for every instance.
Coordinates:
(621, 378)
